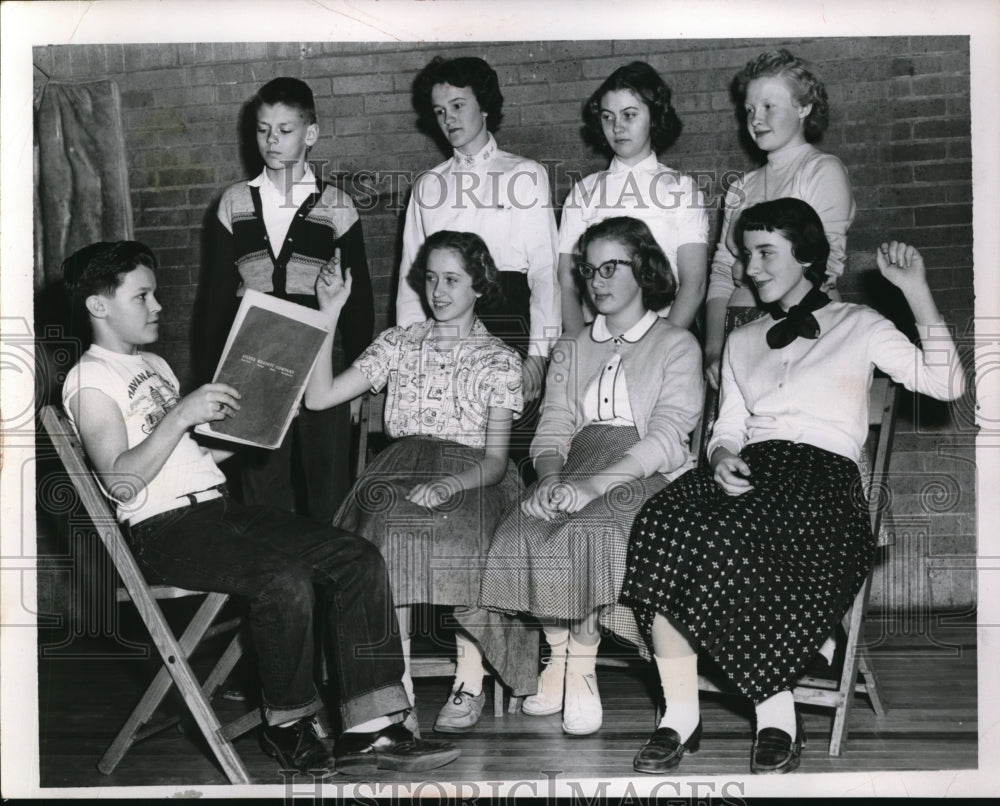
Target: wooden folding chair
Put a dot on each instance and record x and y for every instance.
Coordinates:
(839, 694)
(174, 652)
(370, 423)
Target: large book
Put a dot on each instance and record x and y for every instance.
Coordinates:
(270, 352)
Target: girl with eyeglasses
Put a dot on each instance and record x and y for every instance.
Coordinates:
(622, 397)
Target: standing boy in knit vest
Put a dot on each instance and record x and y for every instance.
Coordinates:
(273, 234)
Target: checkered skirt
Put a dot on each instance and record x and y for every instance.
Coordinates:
(570, 566)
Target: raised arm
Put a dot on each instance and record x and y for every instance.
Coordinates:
(937, 371)
(333, 288)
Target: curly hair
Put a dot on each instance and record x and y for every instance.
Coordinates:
(465, 71)
(288, 91)
(805, 86)
(798, 223)
(647, 85)
(470, 249)
(650, 266)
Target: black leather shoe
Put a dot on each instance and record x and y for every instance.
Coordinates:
(775, 752)
(297, 747)
(664, 750)
(392, 748)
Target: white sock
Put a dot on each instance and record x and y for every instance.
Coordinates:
(371, 726)
(679, 679)
(581, 659)
(777, 711)
(558, 640)
(828, 648)
(469, 670)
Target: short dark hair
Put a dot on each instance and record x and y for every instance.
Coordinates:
(465, 71)
(650, 266)
(798, 223)
(806, 87)
(291, 92)
(475, 257)
(647, 85)
(99, 269)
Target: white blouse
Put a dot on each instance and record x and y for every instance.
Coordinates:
(816, 390)
(606, 399)
(505, 200)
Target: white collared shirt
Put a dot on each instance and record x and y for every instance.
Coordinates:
(668, 201)
(505, 200)
(606, 399)
(279, 205)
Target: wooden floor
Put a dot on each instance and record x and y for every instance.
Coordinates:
(928, 678)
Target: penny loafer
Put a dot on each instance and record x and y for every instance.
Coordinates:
(297, 747)
(392, 748)
(664, 750)
(775, 752)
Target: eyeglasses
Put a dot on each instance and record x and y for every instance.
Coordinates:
(606, 269)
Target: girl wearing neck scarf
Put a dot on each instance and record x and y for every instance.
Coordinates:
(754, 559)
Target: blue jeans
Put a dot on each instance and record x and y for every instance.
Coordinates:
(274, 560)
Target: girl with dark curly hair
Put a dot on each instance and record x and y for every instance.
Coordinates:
(503, 198)
(621, 399)
(786, 109)
(631, 117)
(431, 499)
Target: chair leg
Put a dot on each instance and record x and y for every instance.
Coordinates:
(871, 682)
(849, 674)
(497, 698)
(514, 704)
(176, 670)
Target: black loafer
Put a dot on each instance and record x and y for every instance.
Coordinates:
(392, 748)
(775, 752)
(297, 747)
(664, 750)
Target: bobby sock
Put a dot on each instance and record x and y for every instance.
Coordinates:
(469, 669)
(581, 658)
(777, 711)
(679, 679)
(828, 648)
(558, 640)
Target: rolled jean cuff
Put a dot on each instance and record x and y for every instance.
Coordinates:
(278, 716)
(383, 701)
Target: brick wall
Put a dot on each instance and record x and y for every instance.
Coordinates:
(900, 122)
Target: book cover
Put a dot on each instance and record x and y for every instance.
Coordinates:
(269, 354)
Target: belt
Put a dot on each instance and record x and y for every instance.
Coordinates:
(186, 500)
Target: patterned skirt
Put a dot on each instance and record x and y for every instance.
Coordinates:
(568, 567)
(755, 581)
(433, 556)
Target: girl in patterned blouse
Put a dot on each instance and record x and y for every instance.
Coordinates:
(431, 499)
